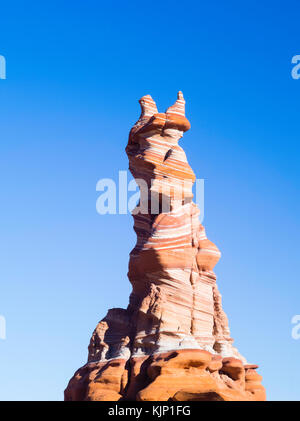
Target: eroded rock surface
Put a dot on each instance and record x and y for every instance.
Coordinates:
(173, 340)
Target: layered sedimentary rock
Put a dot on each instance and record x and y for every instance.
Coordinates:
(173, 341)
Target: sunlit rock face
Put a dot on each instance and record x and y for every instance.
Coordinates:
(173, 340)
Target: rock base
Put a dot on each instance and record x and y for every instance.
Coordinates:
(182, 375)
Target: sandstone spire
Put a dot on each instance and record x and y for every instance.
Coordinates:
(173, 340)
(179, 106)
(148, 106)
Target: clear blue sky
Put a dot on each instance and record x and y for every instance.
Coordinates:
(75, 71)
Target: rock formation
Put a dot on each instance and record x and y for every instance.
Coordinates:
(173, 341)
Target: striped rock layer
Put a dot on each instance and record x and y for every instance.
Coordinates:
(173, 340)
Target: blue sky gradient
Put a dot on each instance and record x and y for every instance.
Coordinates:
(75, 72)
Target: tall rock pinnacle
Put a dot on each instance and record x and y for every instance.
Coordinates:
(173, 341)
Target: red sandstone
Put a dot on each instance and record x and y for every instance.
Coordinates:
(173, 341)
